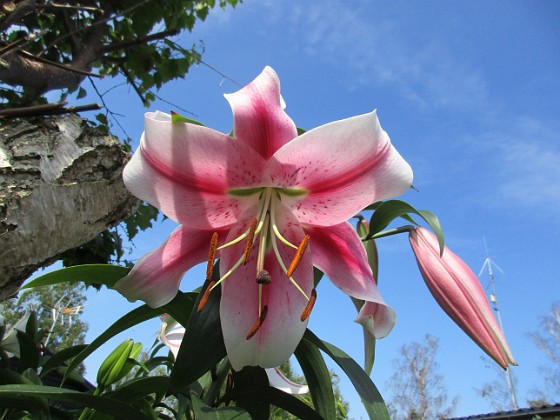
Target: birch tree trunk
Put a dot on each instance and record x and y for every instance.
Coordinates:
(60, 186)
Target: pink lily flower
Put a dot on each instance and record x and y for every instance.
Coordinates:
(171, 334)
(271, 205)
(459, 293)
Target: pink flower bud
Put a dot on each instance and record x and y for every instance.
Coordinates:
(459, 293)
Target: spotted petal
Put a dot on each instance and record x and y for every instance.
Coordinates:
(156, 276)
(259, 117)
(344, 166)
(339, 253)
(186, 171)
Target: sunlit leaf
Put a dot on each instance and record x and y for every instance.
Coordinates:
(106, 274)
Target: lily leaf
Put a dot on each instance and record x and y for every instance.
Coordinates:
(204, 411)
(116, 408)
(318, 379)
(369, 394)
(389, 210)
(106, 274)
(202, 346)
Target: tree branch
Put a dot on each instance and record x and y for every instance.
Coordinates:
(129, 44)
(56, 108)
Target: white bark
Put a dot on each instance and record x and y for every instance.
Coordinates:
(60, 186)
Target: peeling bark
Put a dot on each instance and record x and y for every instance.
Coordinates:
(60, 186)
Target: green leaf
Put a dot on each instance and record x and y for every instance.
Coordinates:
(369, 394)
(203, 411)
(178, 118)
(107, 274)
(387, 211)
(138, 388)
(116, 408)
(203, 344)
(247, 380)
(134, 317)
(82, 93)
(318, 379)
(58, 359)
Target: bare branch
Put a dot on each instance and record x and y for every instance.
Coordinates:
(56, 108)
(129, 44)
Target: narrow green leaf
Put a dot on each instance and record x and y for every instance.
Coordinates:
(107, 274)
(116, 408)
(203, 344)
(178, 118)
(389, 210)
(369, 394)
(138, 388)
(251, 378)
(60, 357)
(318, 379)
(203, 411)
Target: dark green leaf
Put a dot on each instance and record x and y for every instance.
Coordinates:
(203, 344)
(249, 379)
(387, 211)
(318, 379)
(60, 357)
(369, 394)
(139, 388)
(106, 274)
(29, 356)
(82, 93)
(203, 411)
(116, 408)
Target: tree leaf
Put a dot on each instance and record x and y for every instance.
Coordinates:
(107, 274)
(369, 394)
(116, 408)
(389, 210)
(318, 379)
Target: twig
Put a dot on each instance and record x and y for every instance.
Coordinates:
(128, 44)
(225, 76)
(56, 108)
(18, 43)
(107, 108)
(131, 82)
(69, 6)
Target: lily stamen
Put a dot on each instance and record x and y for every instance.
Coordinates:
(205, 296)
(258, 323)
(250, 239)
(299, 255)
(212, 255)
(307, 311)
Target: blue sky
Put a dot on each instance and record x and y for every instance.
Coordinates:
(469, 93)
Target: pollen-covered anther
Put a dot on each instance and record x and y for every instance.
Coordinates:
(258, 323)
(205, 296)
(263, 277)
(250, 239)
(212, 255)
(299, 255)
(307, 311)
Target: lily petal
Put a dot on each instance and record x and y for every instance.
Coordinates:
(459, 293)
(186, 171)
(277, 380)
(259, 117)
(344, 166)
(156, 276)
(339, 253)
(282, 328)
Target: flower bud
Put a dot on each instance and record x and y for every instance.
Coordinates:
(459, 293)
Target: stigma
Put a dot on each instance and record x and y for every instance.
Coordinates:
(262, 236)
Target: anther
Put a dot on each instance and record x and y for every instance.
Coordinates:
(205, 296)
(263, 277)
(307, 311)
(212, 255)
(250, 238)
(258, 323)
(299, 254)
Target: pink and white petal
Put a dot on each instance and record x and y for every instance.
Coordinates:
(344, 166)
(156, 276)
(282, 328)
(259, 117)
(339, 253)
(277, 380)
(187, 170)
